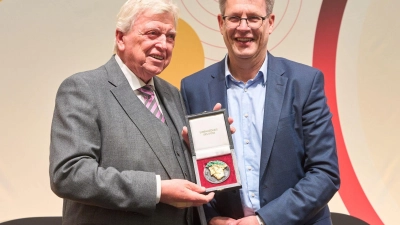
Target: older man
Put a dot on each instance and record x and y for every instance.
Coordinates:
(116, 154)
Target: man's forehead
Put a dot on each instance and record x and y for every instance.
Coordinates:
(151, 18)
(245, 4)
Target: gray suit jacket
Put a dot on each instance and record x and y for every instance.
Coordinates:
(106, 149)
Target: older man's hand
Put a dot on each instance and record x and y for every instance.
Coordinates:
(182, 193)
(222, 221)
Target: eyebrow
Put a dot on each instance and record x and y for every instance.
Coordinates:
(172, 32)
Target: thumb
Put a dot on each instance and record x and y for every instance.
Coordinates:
(196, 188)
(217, 106)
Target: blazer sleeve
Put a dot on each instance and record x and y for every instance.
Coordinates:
(75, 156)
(321, 181)
(184, 96)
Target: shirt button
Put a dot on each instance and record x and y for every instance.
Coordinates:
(252, 195)
(245, 90)
(247, 141)
(246, 115)
(249, 168)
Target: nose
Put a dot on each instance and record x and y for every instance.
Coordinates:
(245, 23)
(162, 42)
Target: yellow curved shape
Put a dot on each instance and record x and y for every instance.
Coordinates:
(187, 56)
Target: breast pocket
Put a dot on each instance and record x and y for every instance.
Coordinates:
(286, 121)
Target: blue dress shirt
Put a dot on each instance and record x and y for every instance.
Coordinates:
(246, 107)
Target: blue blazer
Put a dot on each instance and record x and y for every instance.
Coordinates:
(299, 166)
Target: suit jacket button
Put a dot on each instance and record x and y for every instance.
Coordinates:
(177, 153)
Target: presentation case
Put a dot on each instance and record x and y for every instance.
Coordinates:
(213, 152)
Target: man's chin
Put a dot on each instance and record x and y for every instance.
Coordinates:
(244, 53)
(245, 56)
(158, 67)
(154, 71)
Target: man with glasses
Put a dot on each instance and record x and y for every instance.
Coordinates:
(284, 141)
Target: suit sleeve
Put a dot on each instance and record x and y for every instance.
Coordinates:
(75, 156)
(321, 181)
(185, 100)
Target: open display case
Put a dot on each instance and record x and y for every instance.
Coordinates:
(213, 152)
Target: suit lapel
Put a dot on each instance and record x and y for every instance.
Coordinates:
(217, 87)
(276, 86)
(168, 102)
(172, 106)
(136, 111)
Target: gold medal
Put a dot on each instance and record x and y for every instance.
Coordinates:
(216, 171)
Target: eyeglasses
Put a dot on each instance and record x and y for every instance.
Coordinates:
(254, 22)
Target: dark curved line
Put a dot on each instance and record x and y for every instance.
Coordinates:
(196, 18)
(284, 14)
(205, 9)
(294, 22)
(215, 46)
(324, 58)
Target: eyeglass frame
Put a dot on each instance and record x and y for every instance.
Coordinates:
(246, 19)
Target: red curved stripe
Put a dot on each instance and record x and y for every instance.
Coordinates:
(324, 58)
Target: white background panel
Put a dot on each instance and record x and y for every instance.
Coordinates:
(43, 41)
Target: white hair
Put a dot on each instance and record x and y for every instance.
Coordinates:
(132, 8)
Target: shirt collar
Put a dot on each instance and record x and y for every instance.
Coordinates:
(263, 70)
(133, 80)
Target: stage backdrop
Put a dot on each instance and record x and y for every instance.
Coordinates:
(355, 43)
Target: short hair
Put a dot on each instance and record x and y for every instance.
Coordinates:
(269, 3)
(132, 8)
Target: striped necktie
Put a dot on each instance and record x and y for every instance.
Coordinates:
(150, 101)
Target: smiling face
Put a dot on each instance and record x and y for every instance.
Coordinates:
(243, 42)
(146, 49)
